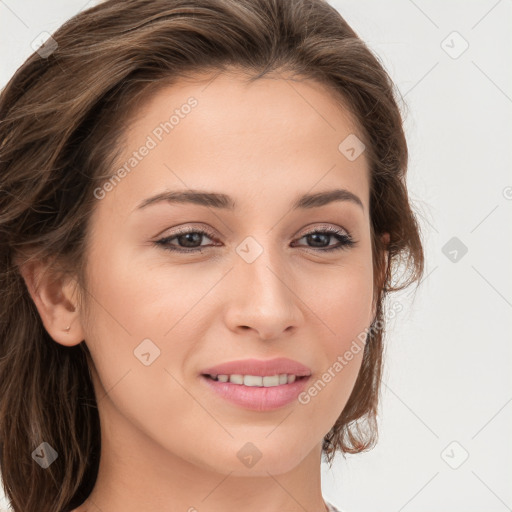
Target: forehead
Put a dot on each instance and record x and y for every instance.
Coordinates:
(222, 132)
(226, 98)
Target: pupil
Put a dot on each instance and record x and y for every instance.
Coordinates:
(319, 235)
(192, 235)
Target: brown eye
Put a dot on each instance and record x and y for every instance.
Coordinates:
(189, 239)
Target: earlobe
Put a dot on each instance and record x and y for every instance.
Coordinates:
(55, 299)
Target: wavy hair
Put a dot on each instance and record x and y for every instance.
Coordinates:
(61, 119)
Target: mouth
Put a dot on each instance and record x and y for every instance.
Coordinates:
(252, 393)
(267, 381)
(255, 384)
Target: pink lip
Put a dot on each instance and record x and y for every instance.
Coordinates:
(257, 398)
(254, 397)
(261, 368)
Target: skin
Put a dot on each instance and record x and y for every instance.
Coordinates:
(167, 442)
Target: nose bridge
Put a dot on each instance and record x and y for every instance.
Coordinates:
(264, 298)
(257, 267)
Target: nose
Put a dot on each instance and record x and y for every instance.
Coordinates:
(263, 299)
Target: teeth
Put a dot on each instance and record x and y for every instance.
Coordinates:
(236, 379)
(251, 380)
(255, 380)
(270, 381)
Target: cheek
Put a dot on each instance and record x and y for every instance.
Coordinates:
(342, 300)
(138, 343)
(143, 312)
(130, 298)
(343, 312)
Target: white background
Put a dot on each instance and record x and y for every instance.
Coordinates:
(447, 389)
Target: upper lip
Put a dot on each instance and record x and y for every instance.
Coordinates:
(258, 367)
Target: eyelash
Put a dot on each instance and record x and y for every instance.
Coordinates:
(346, 241)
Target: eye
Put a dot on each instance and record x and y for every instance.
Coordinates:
(323, 235)
(190, 238)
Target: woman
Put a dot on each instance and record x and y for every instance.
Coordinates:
(203, 209)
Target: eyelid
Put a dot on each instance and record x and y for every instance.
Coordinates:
(326, 227)
(187, 229)
(193, 228)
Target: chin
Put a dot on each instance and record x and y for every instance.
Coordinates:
(261, 458)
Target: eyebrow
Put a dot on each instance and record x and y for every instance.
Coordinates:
(223, 201)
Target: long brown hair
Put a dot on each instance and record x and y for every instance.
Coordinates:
(61, 117)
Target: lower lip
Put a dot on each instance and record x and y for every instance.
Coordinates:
(257, 398)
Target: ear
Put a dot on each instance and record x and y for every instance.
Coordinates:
(56, 300)
(385, 241)
(385, 238)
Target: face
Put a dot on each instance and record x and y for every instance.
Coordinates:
(259, 280)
